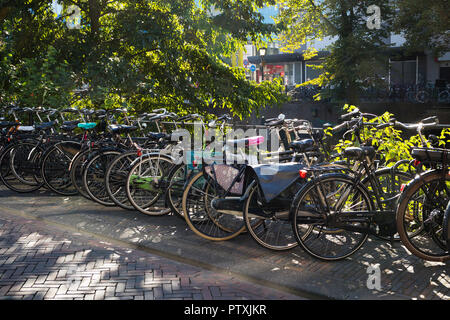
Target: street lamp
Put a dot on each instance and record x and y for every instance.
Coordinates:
(262, 53)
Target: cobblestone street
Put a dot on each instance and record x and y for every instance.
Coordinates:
(38, 261)
(224, 154)
(53, 247)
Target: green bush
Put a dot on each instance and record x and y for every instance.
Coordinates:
(392, 144)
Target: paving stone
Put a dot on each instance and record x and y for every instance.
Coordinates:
(41, 261)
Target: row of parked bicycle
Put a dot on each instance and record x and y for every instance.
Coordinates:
(292, 194)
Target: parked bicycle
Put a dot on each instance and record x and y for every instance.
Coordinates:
(293, 194)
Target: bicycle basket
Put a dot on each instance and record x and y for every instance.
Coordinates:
(224, 176)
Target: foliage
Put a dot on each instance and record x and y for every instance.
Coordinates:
(391, 144)
(444, 138)
(358, 53)
(140, 53)
(425, 24)
(43, 82)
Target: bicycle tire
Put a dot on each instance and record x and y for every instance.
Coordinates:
(177, 179)
(62, 156)
(76, 172)
(313, 222)
(206, 223)
(115, 179)
(146, 192)
(94, 176)
(411, 193)
(270, 230)
(13, 182)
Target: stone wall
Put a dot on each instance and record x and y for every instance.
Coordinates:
(320, 113)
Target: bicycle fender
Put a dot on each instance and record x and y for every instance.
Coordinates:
(32, 152)
(446, 226)
(71, 147)
(74, 157)
(163, 156)
(423, 175)
(247, 191)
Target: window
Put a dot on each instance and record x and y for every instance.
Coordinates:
(298, 73)
(403, 72)
(311, 72)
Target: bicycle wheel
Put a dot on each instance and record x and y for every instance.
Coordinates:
(202, 218)
(322, 208)
(146, 184)
(4, 167)
(422, 96)
(177, 179)
(444, 97)
(390, 182)
(76, 172)
(94, 176)
(446, 230)
(420, 216)
(269, 224)
(22, 161)
(55, 167)
(116, 179)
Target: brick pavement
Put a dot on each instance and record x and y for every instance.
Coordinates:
(403, 276)
(40, 261)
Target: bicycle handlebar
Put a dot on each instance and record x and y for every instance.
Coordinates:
(412, 126)
(351, 114)
(226, 116)
(190, 117)
(340, 126)
(71, 110)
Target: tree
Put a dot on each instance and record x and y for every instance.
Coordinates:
(359, 52)
(144, 53)
(425, 24)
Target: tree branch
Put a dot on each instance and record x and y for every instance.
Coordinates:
(143, 51)
(328, 22)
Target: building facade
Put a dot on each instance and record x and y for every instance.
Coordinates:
(421, 69)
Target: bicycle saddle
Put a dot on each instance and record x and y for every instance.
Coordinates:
(117, 111)
(45, 126)
(87, 125)
(87, 111)
(359, 153)
(274, 122)
(116, 128)
(26, 128)
(69, 125)
(7, 124)
(158, 135)
(72, 110)
(251, 141)
(302, 145)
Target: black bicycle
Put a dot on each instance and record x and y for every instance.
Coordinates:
(334, 212)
